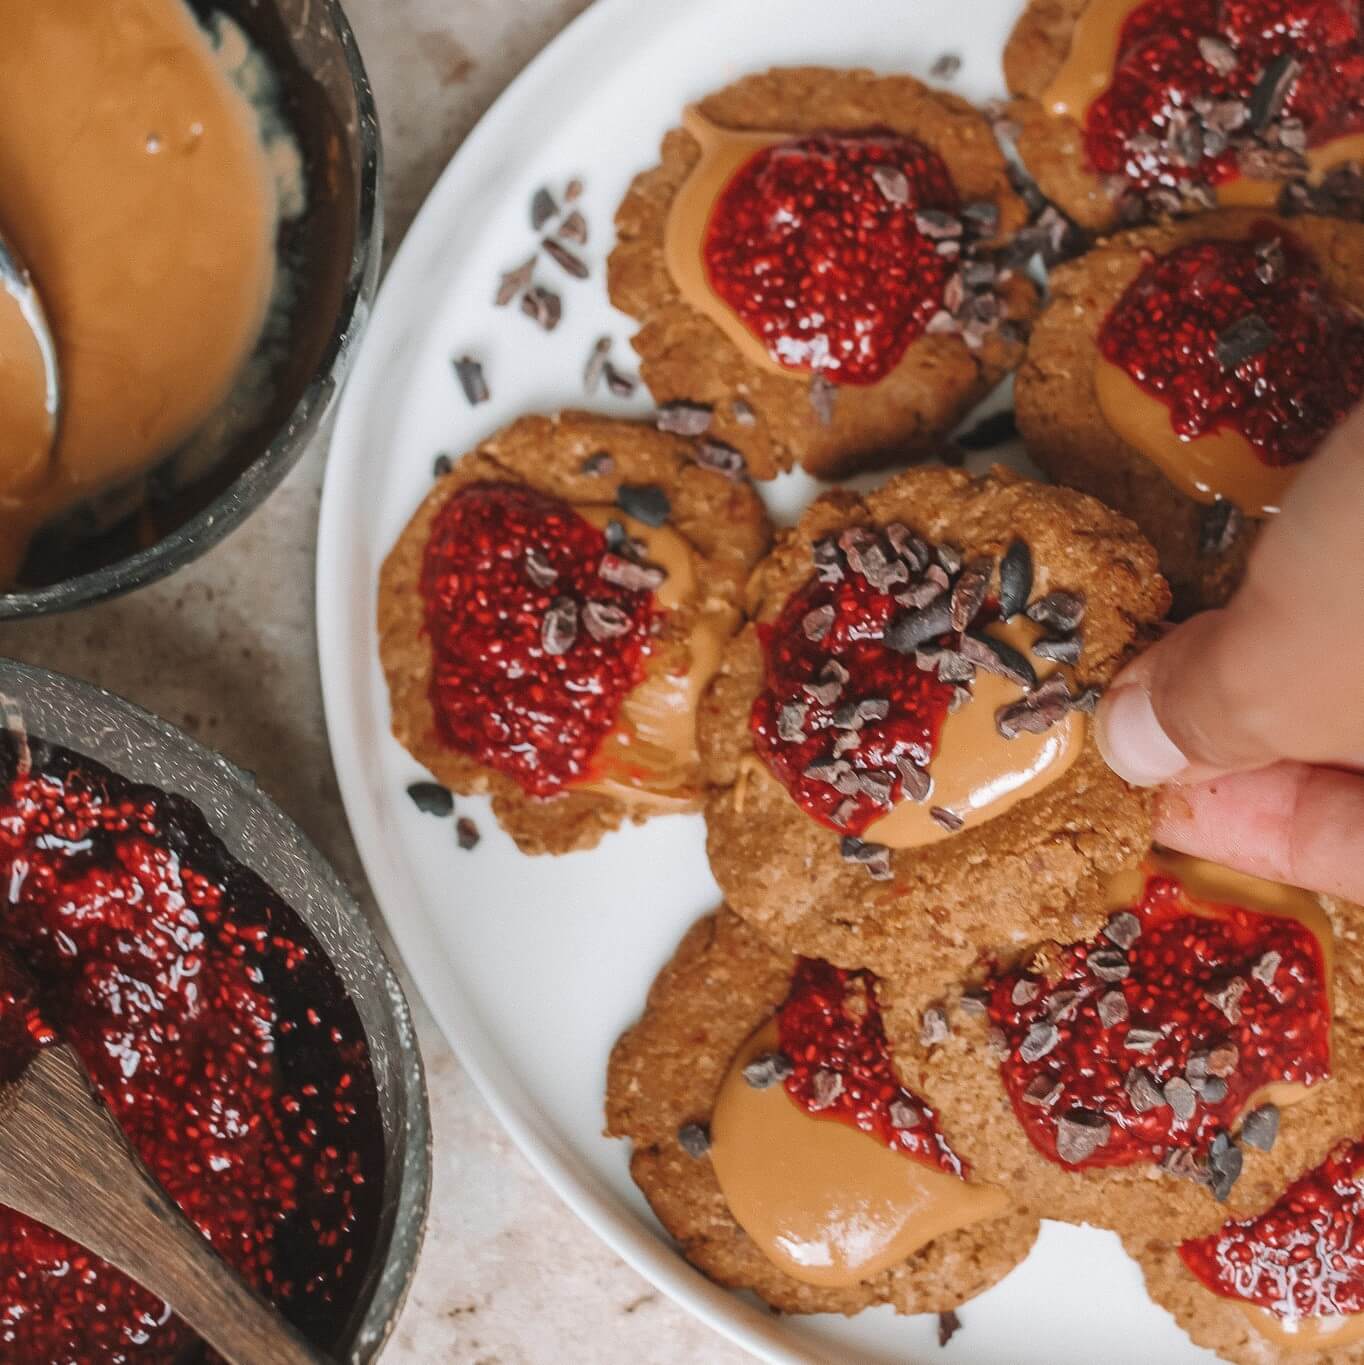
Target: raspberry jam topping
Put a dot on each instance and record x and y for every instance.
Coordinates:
(825, 266)
(220, 1038)
(890, 707)
(1304, 1256)
(831, 1030)
(1203, 90)
(1153, 1037)
(516, 683)
(1241, 335)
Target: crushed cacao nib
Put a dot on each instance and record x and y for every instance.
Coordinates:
(916, 628)
(1224, 1166)
(874, 857)
(572, 264)
(1109, 964)
(599, 464)
(893, 184)
(1219, 527)
(1039, 1040)
(949, 664)
(683, 418)
(1036, 712)
(514, 282)
(605, 622)
(1025, 991)
(1058, 611)
(1180, 1096)
(441, 466)
(694, 1139)
(1272, 91)
(559, 629)
(968, 593)
(466, 834)
(1218, 53)
(1267, 968)
(933, 1027)
(817, 622)
(974, 1004)
(633, 577)
(938, 225)
(791, 722)
(767, 1069)
(1015, 579)
(1079, 1134)
(542, 208)
(1142, 1091)
(432, 799)
(538, 568)
(1244, 340)
(618, 383)
(471, 379)
(915, 781)
(1087, 700)
(1211, 1089)
(1043, 1090)
(595, 369)
(1112, 1008)
(574, 229)
(1141, 1039)
(722, 458)
(990, 432)
(1260, 1128)
(948, 819)
(945, 67)
(822, 398)
(826, 1086)
(743, 412)
(1227, 998)
(904, 1115)
(646, 502)
(1060, 649)
(995, 656)
(1124, 929)
(543, 306)
(949, 1324)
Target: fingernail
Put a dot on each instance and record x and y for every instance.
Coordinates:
(1132, 740)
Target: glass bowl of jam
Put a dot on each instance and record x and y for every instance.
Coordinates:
(206, 251)
(235, 1011)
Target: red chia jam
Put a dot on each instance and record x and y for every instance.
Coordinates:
(1163, 74)
(827, 270)
(909, 730)
(1198, 1014)
(831, 1029)
(1307, 370)
(499, 695)
(219, 1036)
(1304, 1256)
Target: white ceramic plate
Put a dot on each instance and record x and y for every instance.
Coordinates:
(534, 966)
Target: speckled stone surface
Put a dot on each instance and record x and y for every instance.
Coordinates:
(508, 1275)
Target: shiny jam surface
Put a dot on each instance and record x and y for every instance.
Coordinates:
(918, 700)
(828, 271)
(1304, 1256)
(1164, 332)
(219, 1036)
(830, 1026)
(497, 694)
(1161, 71)
(1180, 965)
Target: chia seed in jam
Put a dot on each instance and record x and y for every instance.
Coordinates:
(1161, 73)
(830, 1026)
(1164, 333)
(1304, 1256)
(1178, 970)
(497, 693)
(218, 1034)
(826, 269)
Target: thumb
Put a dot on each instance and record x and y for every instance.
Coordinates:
(1278, 673)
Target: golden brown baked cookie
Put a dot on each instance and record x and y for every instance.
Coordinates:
(716, 525)
(770, 414)
(666, 1071)
(1060, 418)
(1037, 869)
(962, 1073)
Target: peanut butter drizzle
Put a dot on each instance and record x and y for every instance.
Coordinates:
(650, 759)
(1221, 464)
(724, 152)
(1087, 72)
(977, 773)
(1305, 1334)
(825, 1203)
(134, 184)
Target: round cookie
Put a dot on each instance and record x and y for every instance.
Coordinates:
(1034, 871)
(1060, 418)
(582, 460)
(961, 1072)
(666, 1071)
(1054, 146)
(776, 417)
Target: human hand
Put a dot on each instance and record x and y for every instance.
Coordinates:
(1254, 714)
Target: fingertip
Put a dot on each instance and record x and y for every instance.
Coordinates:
(1132, 740)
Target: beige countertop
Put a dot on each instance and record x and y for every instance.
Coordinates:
(226, 650)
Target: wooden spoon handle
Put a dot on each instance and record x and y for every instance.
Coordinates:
(65, 1163)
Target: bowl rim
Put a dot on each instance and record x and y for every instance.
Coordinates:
(212, 524)
(82, 723)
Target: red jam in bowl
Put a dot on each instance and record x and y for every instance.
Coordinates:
(1304, 1256)
(828, 270)
(1168, 328)
(1225, 1001)
(831, 1030)
(499, 559)
(218, 1034)
(1164, 72)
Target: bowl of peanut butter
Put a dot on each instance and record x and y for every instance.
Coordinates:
(193, 186)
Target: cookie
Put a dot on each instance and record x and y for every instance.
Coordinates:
(550, 615)
(664, 1077)
(1128, 112)
(1191, 1027)
(917, 323)
(1069, 393)
(814, 775)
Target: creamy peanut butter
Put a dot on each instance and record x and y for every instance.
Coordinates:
(977, 773)
(825, 1203)
(134, 183)
(1221, 464)
(27, 408)
(1087, 72)
(650, 759)
(1305, 1334)
(724, 152)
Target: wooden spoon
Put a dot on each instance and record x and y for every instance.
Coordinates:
(65, 1163)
